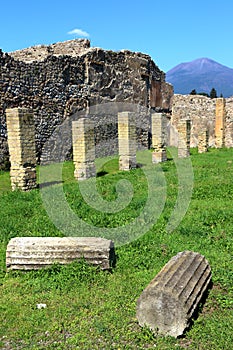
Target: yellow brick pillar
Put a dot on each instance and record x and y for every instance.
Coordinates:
(127, 140)
(159, 134)
(83, 149)
(184, 130)
(203, 141)
(220, 122)
(21, 142)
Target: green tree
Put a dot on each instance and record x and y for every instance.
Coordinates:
(213, 93)
(193, 92)
(203, 94)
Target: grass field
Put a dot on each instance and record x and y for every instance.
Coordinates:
(91, 309)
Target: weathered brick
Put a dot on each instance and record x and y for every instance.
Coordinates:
(21, 142)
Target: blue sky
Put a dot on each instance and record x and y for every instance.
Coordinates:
(171, 32)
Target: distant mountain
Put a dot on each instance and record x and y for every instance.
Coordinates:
(202, 75)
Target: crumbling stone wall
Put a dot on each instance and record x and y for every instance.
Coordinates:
(41, 52)
(59, 79)
(201, 111)
(46, 87)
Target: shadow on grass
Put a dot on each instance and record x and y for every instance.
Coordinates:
(49, 183)
(102, 173)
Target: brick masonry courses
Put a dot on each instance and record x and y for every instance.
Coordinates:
(21, 141)
(83, 149)
(184, 128)
(159, 137)
(203, 141)
(127, 140)
(220, 121)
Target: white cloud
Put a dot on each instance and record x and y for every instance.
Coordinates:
(79, 32)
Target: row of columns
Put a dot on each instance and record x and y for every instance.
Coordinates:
(84, 145)
(21, 141)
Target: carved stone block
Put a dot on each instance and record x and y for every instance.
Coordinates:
(33, 253)
(168, 303)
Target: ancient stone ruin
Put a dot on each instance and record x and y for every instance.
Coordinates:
(33, 253)
(214, 115)
(55, 81)
(203, 141)
(58, 80)
(159, 137)
(84, 144)
(83, 149)
(220, 123)
(127, 140)
(21, 140)
(168, 303)
(184, 128)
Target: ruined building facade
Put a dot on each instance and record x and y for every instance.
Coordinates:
(57, 80)
(201, 112)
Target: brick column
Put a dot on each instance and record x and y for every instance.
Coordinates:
(220, 122)
(83, 149)
(203, 141)
(158, 131)
(127, 140)
(184, 129)
(21, 142)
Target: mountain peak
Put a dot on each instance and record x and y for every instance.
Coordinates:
(201, 74)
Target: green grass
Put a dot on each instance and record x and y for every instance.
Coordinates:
(4, 181)
(91, 309)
